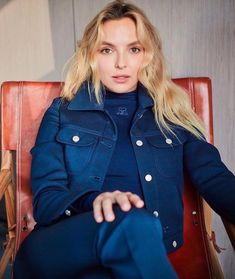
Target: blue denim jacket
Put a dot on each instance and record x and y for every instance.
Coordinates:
(74, 147)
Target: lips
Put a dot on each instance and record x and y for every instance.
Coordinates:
(121, 78)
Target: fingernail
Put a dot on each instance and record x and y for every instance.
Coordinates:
(140, 203)
(110, 217)
(99, 219)
(126, 207)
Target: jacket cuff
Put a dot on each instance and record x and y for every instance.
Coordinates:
(84, 203)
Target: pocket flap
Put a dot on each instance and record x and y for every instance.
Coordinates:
(74, 136)
(165, 142)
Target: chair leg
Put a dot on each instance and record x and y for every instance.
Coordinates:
(6, 256)
(5, 179)
(7, 189)
(10, 210)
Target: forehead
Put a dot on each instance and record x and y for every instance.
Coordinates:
(119, 31)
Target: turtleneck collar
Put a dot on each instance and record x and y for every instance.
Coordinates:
(131, 95)
(85, 101)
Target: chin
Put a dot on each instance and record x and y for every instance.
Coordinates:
(121, 88)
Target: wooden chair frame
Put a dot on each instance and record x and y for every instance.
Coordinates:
(8, 190)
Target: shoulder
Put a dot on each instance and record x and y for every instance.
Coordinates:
(56, 105)
(187, 136)
(51, 114)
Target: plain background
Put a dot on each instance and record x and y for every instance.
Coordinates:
(39, 36)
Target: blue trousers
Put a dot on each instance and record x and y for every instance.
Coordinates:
(79, 248)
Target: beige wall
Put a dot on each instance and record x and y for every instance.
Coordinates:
(38, 36)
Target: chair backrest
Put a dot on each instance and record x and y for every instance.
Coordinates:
(23, 105)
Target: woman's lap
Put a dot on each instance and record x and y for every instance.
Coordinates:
(68, 249)
(62, 248)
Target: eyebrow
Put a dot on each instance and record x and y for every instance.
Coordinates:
(130, 44)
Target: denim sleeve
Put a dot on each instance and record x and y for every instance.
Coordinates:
(210, 176)
(85, 202)
(53, 191)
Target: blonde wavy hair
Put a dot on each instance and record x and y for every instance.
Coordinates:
(171, 103)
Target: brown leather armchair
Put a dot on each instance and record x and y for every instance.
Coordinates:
(22, 107)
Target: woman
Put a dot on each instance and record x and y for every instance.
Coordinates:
(109, 159)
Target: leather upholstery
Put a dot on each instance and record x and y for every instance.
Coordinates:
(23, 105)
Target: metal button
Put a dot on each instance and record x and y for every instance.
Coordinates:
(165, 229)
(148, 177)
(174, 243)
(155, 213)
(168, 141)
(75, 138)
(139, 142)
(67, 212)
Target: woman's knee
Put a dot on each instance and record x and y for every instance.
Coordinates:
(128, 230)
(142, 218)
(136, 218)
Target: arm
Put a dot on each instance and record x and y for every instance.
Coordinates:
(210, 176)
(85, 203)
(53, 193)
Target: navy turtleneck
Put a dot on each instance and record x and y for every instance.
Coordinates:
(122, 173)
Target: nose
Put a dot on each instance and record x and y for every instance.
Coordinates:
(120, 61)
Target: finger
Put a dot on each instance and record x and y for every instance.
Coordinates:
(123, 201)
(97, 210)
(107, 207)
(136, 200)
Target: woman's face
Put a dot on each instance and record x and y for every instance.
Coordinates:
(120, 55)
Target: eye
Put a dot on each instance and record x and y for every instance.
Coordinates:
(135, 49)
(106, 50)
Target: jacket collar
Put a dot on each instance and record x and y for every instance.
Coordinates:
(85, 101)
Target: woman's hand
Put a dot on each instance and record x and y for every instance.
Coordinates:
(103, 204)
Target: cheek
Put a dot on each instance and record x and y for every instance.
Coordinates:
(105, 73)
(101, 69)
(104, 66)
(136, 64)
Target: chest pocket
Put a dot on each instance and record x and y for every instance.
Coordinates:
(168, 154)
(79, 147)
